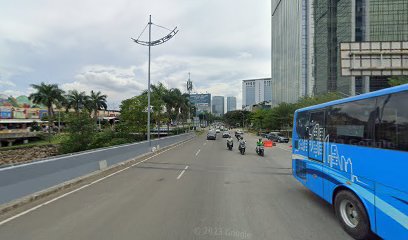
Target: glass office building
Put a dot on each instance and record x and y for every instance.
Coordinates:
(337, 21)
(218, 105)
(292, 50)
(232, 104)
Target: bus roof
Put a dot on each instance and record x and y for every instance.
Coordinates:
(400, 88)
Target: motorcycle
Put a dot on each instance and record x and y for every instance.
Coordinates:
(230, 144)
(260, 150)
(242, 147)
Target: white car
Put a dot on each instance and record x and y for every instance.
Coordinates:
(218, 130)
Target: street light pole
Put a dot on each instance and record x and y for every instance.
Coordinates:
(151, 43)
(148, 83)
(189, 89)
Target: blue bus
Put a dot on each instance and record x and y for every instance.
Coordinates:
(353, 153)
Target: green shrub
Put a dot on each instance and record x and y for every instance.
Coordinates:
(102, 139)
(117, 141)
(81, 130)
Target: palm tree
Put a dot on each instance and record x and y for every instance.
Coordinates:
(185, 106)
(169, 102)
(48, 95)
(96, 101)
(159, 92)
(76, 100)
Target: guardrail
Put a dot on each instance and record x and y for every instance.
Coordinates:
(25, 179)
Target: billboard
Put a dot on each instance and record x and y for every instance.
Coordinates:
(374, 58)
(202, 102)
(200, 98)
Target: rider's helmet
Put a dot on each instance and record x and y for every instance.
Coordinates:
(260, 139)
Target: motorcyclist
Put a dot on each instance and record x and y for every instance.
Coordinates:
(259, 143)
(241, 140)
(230, 140)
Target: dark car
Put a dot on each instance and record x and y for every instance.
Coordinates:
(226, 134)
(278, 137)
(264, 135)
(211, 135)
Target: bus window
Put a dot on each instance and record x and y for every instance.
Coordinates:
(353, 122)
(392, 127)
(316, 135)
(302, 123)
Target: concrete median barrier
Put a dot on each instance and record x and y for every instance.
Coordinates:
(22, 180)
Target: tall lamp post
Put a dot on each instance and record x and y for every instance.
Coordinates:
(189, 89)
(151, 43)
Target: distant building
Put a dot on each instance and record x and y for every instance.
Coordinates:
(218, 105)
(231, 104)
(202, 102)
(258, 106)
(255, 91)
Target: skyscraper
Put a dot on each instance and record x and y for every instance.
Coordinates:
(256, 90)
(231, 104)
(218, 105)
(337, 21)
(292, 50)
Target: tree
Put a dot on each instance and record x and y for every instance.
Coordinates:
(237, 118)
(281, 116)
(96, 101)
(76, 100)
(258, 118)
(396, 81)
(185, 106)
(48, 95)
(157, 103)
(133, 115)
(81, 129)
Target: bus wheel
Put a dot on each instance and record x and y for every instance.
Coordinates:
(352, 215)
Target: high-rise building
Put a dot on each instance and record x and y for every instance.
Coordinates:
(337, 21)
(292, 50)
(231, 104)
(256, 90)
(218, 105)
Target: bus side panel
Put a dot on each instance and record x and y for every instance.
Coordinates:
(299, 170)
(336, 180)
(381, 174)
(341, 171)
(308, 172)
(392, 213)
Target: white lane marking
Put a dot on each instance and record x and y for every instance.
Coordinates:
(182, 172)
(204, 143)
(79, 154)
(198, 152)
(87, 185)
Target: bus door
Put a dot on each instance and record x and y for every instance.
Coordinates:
(316, 134)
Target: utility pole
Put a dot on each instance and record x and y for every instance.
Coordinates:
(151, 43)
(189, 89)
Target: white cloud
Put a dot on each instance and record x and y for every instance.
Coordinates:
(116, 82)
(220, 43)
(4, 83)
(16, 93)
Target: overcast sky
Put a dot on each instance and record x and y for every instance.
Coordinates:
(86, 45)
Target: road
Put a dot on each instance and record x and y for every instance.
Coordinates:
(198, 190)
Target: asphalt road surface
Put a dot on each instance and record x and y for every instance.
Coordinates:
(198, 190)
